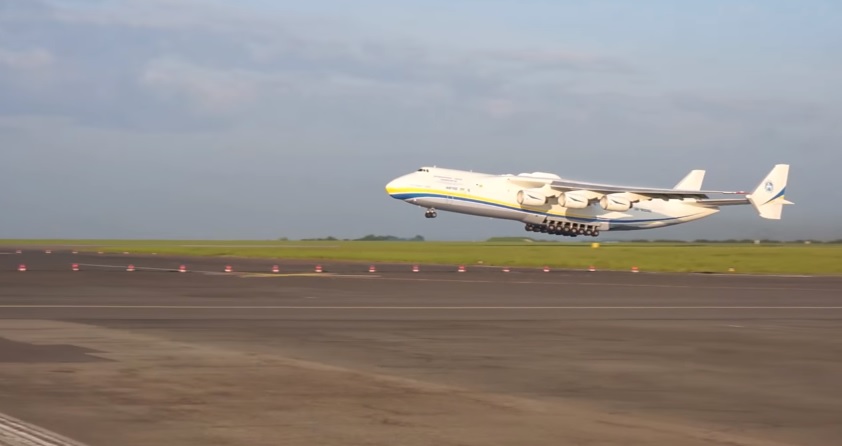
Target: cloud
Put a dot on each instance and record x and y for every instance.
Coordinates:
(153, 14)
(769, 110)
(189, 65)
(499, 108)
(26, 60)
(212, 90)
(190, 61)
(555, 60)
(193, 106)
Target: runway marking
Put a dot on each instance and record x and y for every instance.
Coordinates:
(148, 268)
(325, 274)
(205, 272)
(262, 275)
(253, 274)
(393, 307)
(602, 284)
(14, 432)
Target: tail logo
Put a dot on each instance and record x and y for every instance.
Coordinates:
(770, 186)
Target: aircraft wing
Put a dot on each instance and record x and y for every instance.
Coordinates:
(767, 197)
(644, 192)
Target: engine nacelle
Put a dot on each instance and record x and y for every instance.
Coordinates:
(615, 203)
(531, 197)
(572, 200)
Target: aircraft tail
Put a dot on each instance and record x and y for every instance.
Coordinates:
(693, 181)
(768, 198)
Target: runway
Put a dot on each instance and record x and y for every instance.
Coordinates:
(346, 357)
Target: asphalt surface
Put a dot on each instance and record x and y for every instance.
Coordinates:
(347, 357)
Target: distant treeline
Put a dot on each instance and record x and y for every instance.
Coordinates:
(736, 241)
(418, 238)
(672, 241)
(368, 238)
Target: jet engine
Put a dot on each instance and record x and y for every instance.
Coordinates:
(615, 203)
(531, 197)
(573, 200)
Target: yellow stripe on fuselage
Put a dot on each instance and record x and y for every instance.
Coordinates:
(510, 205)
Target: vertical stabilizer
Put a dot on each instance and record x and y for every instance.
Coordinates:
(768, 198)
(693, 181)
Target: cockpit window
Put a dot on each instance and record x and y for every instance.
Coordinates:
(423, 170)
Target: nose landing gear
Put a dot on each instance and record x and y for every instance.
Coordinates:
(431, 213)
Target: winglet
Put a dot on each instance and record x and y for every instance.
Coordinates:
(768, 198)
(693, 181)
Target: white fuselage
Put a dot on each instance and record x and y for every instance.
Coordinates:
(496, 196)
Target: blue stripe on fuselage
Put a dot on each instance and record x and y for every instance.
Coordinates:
(408, 196)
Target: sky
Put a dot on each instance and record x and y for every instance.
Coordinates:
(261, 119)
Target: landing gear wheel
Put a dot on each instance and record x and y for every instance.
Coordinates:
(596, 234)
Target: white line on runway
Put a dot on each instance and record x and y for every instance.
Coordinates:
(313, 307)
(244, 274)
(96, 265)
(603, 284)
(253, 274)
(14, 432)
(150, 268)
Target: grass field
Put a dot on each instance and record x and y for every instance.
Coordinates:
(681, 257)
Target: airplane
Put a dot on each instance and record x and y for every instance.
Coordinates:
(549, 204)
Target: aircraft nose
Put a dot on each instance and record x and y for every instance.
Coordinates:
(392, 186)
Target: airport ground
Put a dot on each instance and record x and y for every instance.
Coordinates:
(347, 357)
(763, 258)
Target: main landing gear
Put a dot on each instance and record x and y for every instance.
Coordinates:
(565, 229)
(431, 213)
